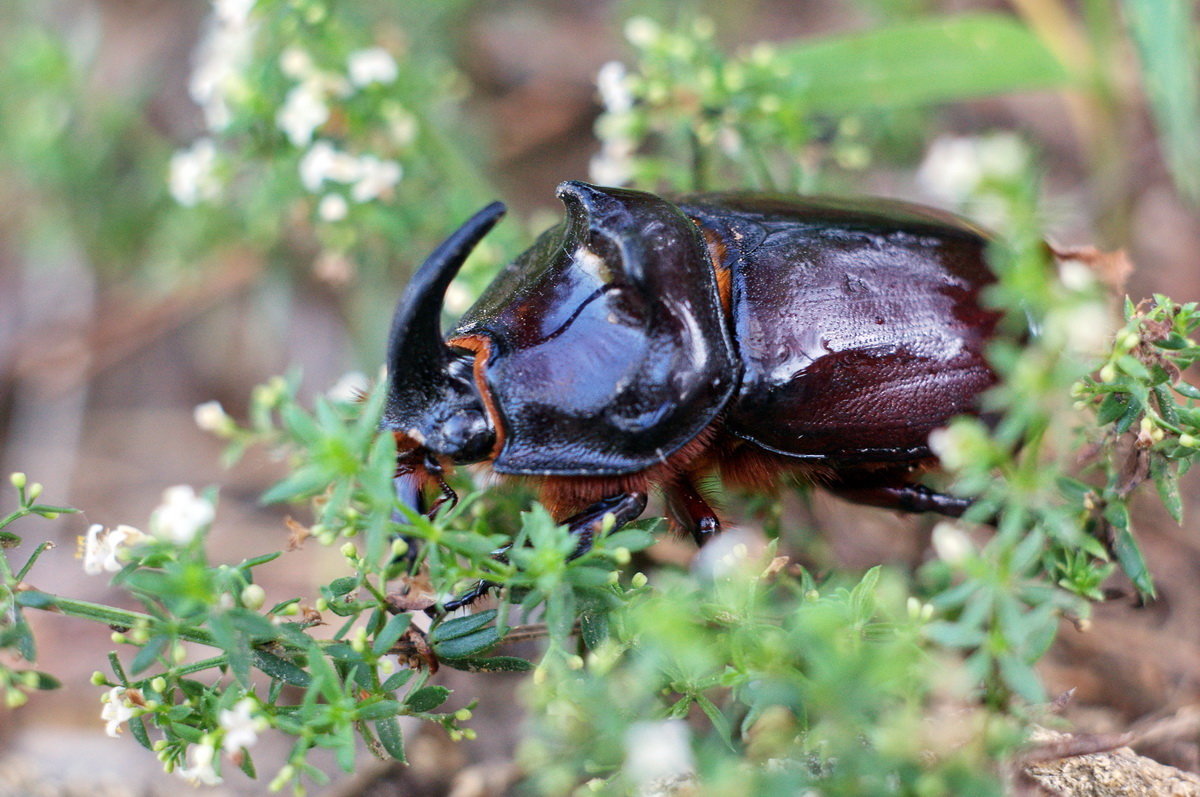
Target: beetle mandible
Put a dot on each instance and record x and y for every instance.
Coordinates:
(644, 343)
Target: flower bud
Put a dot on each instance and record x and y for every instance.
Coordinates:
(98, 679)
(253, 597)
(638, 581)
(35, 490)
(18, 480)
(159, 684)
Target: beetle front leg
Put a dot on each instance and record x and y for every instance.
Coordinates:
(585, 525)
(624, 508)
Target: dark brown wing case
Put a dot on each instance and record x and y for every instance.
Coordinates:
(857, 323)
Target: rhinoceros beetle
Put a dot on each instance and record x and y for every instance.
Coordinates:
(645, 342)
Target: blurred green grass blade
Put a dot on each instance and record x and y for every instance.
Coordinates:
(931, 61)
(1164, 35)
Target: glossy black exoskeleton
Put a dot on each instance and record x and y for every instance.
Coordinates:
(645, 343)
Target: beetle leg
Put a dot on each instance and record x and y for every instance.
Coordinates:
(624, 507)
(902, 496)
(689, 509)
(584, 525)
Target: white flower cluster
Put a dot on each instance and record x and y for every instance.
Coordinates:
(120, 706)
(613, 164)
(369, 177)
(192, 173)
(103, 549)
(219, 78)
(180, 517)
(961, 169)
(221, 59)
(657, 750)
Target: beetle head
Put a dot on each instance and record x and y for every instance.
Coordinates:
(432, 397)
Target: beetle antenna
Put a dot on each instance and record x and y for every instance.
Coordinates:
(417, 355)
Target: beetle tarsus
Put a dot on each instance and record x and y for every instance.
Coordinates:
(624, 507)
(905, 498)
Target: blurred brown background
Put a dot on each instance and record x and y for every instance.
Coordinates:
(99, 373)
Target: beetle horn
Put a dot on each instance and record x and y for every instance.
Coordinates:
(417, 356)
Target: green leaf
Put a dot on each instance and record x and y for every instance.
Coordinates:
(1164, 33)
(341, 586)
(246, 764)
(149, 652)
(461, 626)
(378, 710)
(391, 738)
(397, 680)
(1167, 483)
(719, 721)
(234, 644)
(303, 482)
(1129, 555)
(1185, 389)
(391, 632)
(45, 681)
(9, 540)
(954, 635)
(250, 564)
(936, 60)
(1020, 677)
(461, 647)
(281, 669)
(490, 664)
(137, 727)
(1112, 407)
(426, 699)
(593, 627)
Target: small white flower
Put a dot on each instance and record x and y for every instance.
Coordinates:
(613, 84)
(373, 65)
(951, 543)
(303, 111)
(192, 174)
(296, 63)
(956, 445)
(376, 178)
(956, 167)
(242, 724)
(102, 549)
(642, 31)
(613, 165)
(220, 62)
(118, 709)
(333, 208)
(201, 772)
(211, 417)
(350, 388)
(951, 170)
(323, 161)
(181, 515)
(656, 750)
(233, 12)
(401, 125)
